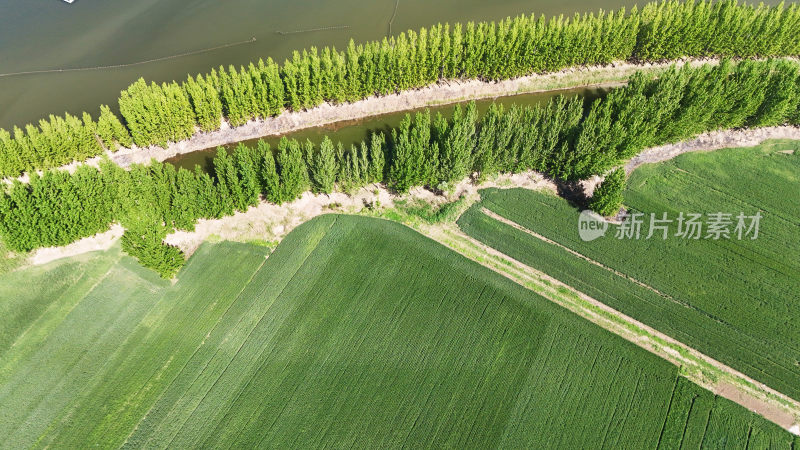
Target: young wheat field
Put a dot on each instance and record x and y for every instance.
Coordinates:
(313, 347)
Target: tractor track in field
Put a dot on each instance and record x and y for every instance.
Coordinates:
(519, 227)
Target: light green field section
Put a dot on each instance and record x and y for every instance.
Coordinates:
(355, 332)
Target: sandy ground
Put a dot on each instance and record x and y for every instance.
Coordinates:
(102, 241)
(777, 415)
(714, 140)
(270, 223)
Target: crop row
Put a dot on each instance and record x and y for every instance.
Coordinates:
(431, 349)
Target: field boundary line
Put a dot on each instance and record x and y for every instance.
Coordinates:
(694, 365)
(622, 275)
(236, 395)
(188, 360)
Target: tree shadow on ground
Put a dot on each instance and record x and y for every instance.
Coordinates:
(573, 192)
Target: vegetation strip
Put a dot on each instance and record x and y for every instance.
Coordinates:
(696, 366)
(172, 112)
(561, 139)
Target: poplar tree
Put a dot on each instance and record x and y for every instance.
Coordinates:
(111, 131)
(485, 157)
(292, 169)
(409, 142)
(270, 180)
(245, 160)
(377, 157)
(228, 182)
(608, 196)
(323, 167)
(205, 102)
(455, 143)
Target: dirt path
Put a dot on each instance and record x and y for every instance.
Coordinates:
(98, 242)
(715, 140)
(728, 382)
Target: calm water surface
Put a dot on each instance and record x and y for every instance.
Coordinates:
(51, 34)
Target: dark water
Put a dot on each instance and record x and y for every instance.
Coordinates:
(51, 34)
(354, 131)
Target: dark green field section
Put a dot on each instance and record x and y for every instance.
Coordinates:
(354, 332)
(735, 300)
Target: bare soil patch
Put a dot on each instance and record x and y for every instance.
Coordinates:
(714, 140)
(98, 242)
(765, 409)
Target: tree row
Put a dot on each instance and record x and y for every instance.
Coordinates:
(59, 141)
(566, 138)
(485, 50)
(158, 114)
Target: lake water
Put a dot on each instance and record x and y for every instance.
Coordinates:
(51, 34)
(354, 131)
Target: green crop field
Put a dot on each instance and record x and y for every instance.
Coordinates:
(355, 332)
(735, 300)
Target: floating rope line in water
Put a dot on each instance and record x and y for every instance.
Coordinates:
(309, 30)
(396, 4)
(119, 66)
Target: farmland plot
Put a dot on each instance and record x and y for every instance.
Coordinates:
(355, 332)
(735, 300)
(698, 419)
